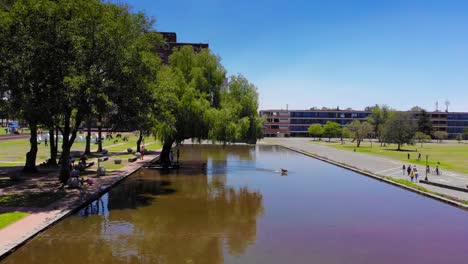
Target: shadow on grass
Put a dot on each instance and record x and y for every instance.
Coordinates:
(31, 199)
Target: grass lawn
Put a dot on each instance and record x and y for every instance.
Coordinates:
(451, 156)
(13, 152)
(9, 218)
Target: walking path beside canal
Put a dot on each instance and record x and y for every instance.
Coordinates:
(376, 165)
(40, 218)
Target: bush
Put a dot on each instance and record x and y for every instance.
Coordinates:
(129, 150)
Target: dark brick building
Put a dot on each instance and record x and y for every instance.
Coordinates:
(171, 43)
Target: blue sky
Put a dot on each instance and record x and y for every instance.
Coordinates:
(348, 53)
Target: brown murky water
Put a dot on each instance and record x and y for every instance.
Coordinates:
(241, 210)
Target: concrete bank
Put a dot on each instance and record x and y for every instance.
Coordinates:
(378, 177)
(20, 232)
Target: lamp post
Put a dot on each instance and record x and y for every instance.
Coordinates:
(427, 157)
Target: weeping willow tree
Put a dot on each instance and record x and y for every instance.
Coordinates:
(195, 102)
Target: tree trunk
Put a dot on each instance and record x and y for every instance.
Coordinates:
(399, 146)
(88, 139)
(53, 149)
(56, 139)
(358, 143)
(139, 141)
(30, 165)
(164, 157)
(100, 134)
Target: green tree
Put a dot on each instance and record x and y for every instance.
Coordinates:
(379, 116)
(33, 50)
(67, 61)
(424, 122)
(237, 119)
(331, 130)
(400, 129)
(360, 130)
(347, 133)
(465, 132)
(315, 130)
(190, 87)
(459, 138)
(440, 135)
(422, 138)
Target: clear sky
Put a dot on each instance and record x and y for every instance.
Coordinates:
(346, 53)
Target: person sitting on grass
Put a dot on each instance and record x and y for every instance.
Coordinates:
(73, 181)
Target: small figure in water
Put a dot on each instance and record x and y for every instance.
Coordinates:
(284, 171)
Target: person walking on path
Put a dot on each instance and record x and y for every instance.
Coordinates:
(409, 169)
(437, 170)
(45, 142)
(404, 169)
(416, 173)
(411, 175)
(142, 149)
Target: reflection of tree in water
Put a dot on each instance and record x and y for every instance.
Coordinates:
(216, 152)
(183, 219)
(194, 222)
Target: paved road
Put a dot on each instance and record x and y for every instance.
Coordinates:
(377, 165)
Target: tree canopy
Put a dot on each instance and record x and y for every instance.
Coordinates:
(400, 129)
(331, 130)
(315, 130)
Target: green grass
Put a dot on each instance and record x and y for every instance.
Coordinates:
(407, 183)
(452, 157)
(10, 218)
(13, 152)
(28, 199)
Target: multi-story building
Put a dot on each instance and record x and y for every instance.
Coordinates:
(170, 39)
(294, 123)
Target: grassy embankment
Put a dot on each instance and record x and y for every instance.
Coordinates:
(452, 156)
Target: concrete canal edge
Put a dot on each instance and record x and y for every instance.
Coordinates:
(378, 177)
(74, 207)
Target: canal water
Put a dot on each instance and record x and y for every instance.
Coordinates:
(242, 210)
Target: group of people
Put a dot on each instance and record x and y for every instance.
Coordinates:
(413, 172)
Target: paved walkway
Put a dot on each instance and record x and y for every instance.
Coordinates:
(374, 164)
(40, 218)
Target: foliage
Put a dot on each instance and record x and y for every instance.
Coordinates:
(331, 130)
(377, 119)
(315, 130)
(440, 135)
(465, 132)
(347, 133)
(360, 130)
(424, 123)
(400, 129)
(422, 138)
(459, 138)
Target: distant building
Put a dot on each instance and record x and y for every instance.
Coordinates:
(171, 43)
(294, 123)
